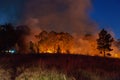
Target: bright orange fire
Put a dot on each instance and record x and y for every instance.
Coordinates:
(53, 42)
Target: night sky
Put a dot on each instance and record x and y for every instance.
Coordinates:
(11, 11)
(106, 13)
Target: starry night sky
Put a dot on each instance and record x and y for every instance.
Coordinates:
(106, 13)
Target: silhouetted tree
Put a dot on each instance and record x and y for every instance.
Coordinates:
(58, 50)
(10, 36)
(104, 42)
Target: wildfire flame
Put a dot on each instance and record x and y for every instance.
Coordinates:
(53, 42)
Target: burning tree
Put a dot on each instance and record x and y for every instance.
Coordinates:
(104, 42)
(50, 41)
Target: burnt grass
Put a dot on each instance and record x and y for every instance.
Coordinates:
(67, 63)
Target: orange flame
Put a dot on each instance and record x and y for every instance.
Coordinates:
(85, 45)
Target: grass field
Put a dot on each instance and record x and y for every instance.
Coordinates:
(58, 67)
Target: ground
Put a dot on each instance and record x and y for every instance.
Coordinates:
(58, 67)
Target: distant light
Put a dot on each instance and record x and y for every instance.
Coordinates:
(12, 51)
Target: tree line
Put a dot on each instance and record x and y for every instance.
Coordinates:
(14, 37)
(52, 42)
(11, 37)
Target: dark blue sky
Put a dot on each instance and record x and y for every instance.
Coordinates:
(11, 11)
(105, 12)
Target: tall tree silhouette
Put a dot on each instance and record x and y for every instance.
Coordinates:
(104, 42)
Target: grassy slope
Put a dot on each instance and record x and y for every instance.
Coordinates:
(78, 66)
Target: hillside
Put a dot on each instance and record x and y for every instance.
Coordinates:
(65, 66)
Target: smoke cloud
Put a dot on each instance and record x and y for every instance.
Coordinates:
(70, 16)
(59, 15)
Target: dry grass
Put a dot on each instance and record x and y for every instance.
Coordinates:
(58, 67)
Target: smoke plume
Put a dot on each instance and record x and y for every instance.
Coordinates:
(62, 16)
(71, 16)
(59, 15)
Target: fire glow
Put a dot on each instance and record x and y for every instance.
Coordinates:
(70, 16)
(53, 42)
(64, 43)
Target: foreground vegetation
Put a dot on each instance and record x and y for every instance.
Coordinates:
(58, 67)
